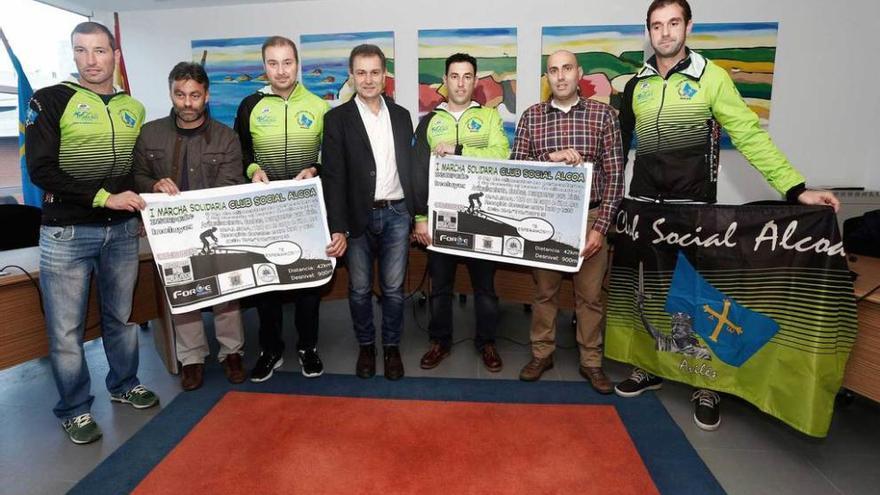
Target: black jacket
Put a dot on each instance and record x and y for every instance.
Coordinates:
(79, 148)
(348, 171)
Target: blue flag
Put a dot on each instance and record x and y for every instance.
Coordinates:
(733, 332)
(32, 194)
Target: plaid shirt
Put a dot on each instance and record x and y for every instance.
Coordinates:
(591, 129)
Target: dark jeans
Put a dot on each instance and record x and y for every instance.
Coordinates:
(386, 239)
(270, 305)
(442, 268)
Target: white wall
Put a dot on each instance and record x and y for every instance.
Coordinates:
(825, 101)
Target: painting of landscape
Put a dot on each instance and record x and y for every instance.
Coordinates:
(748, 52)
(495, 51)
(609, 55)
(612, 55)
(235, 70)
(325, 62)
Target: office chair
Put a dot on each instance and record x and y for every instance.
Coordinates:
(21, 226)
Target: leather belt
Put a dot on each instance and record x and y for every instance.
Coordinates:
(384, 203)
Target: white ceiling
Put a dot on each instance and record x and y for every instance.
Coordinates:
(87, 7)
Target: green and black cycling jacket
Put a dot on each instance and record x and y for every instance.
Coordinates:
(280, 136)
(79, 151)
(676, 121)
(477, 132)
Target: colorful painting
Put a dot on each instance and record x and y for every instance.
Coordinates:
(235, 70)
(609, 55)
(495, 51)
(324, 60)
(748, 52)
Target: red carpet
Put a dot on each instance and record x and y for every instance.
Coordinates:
(257, 443)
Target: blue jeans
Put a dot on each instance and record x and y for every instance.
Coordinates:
(386, 238)
(68, 256)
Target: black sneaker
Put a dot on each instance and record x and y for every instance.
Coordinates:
(707, 412)
(638, 382)
(267, 363)
(311, 364)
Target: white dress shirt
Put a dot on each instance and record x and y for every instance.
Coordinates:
(382, 142)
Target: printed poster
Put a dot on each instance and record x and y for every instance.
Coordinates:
(525, 213)
(216, 245)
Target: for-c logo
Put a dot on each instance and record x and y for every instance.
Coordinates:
(198, 290)
(455, 240)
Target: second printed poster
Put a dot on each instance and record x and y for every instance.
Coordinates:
(525, 213)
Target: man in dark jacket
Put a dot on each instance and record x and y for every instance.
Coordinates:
(79, 136)
(185, 151)
(370, 197)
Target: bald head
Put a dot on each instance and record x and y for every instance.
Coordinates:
(563, 75)
(561, 57)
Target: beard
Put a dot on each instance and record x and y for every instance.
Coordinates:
(189, 116)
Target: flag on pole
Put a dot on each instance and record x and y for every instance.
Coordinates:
(31, 194)
(120, 76)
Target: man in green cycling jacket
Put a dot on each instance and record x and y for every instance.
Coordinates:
(280, 128)
(459, 126)
(676, 105)
(79, 136)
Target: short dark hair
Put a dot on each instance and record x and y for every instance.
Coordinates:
(93, 28)
(461, 57)
(656, 4)
(365, 50)
(189, 70)
(279, 41)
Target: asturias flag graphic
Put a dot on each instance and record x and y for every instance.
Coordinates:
(32, 194)
(733, 332)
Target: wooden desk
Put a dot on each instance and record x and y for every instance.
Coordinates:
(863, 369)
(22, 327)
(513, 283)
(23, 332)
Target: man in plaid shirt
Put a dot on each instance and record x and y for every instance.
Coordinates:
(574, 130)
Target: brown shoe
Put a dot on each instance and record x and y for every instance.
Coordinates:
(536, 367)
(393, 363)
(491, 358)
(597, 378)
(366, 363)
(435, 354)
(192, 376)
(233, 368)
